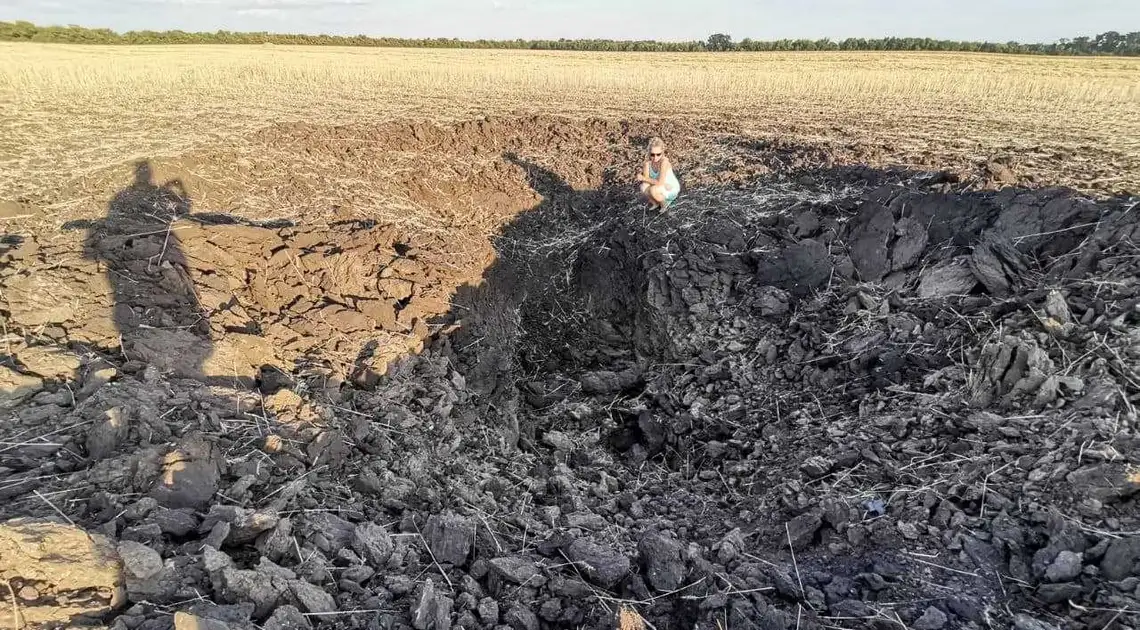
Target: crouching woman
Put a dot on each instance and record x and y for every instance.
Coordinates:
(659, 184)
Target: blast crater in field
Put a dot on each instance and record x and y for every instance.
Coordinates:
(815, 390)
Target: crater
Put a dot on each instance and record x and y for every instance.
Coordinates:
(805, 354)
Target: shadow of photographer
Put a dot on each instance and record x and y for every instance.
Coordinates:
(155, 306)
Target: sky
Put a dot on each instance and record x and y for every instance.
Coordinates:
(985, 20)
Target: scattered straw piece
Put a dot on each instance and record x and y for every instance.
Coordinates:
(630, 619)
(17, 618)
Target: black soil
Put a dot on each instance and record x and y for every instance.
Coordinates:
(824, 398)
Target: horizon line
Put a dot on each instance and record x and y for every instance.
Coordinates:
(561, 39)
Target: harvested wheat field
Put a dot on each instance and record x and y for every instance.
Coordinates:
(320, 338)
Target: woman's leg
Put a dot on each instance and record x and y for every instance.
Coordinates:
(645, 191)
(658, 193)
(647, 194)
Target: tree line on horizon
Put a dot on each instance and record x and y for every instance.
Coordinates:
(1108, 43)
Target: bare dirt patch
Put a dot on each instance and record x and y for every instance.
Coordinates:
(817, 393)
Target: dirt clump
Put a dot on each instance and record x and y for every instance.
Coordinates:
(58, 573)
(819, 396)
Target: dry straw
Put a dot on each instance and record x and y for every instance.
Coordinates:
(71, 110)
(630, 619)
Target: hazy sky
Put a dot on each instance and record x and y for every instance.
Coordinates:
(992, 20)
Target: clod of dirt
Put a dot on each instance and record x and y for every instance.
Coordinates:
(265, 589)
(312, 598)
(245, 525)
(48, 362)
(139, 561)
(1121, 558)
(515, 570)
(931, 619)
(520, 617)
(187, 621)
(373, 543)
(946, 279)
(190, 474)
(998, 265)
(868, 235)
(148, 578)
(431, 610)
(175, 523)
(449, 536)
(599, 563)
(16, 387)
(1065, 567)
(75, 575)
(801, 530)
(664, 562)
(799, 269)
(287, 618)
(105, 435)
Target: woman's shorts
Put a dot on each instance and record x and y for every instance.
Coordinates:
(670, 194)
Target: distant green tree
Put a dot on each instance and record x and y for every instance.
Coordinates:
(1107, 43)
(719, 42)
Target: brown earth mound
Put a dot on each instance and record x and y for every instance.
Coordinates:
(810, 395)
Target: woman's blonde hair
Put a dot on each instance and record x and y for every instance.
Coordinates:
(656, 143)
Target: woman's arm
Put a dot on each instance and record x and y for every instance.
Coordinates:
(644, 175)
(666, 168)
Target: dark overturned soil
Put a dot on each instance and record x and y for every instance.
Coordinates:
(814, 394)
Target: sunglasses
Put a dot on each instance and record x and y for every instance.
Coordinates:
(656, 154)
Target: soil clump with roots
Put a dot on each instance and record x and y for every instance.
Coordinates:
(816, 393)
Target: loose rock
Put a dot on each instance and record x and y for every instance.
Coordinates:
(601, 564)
(16, 387)
(1067, 566)
(516, 569)
(801, 530)
(521, 618)
(373, 543)
(932, 619)
(65, 562)
(139, 561)
(664, 561)
(186, 621)
(449, 538)
(287, 618)
(105, 436)
(190, 474)
(312, 598)
(1120, 559)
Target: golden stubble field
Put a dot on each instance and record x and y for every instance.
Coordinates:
(69, 112)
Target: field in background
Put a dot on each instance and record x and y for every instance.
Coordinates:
(72, 110)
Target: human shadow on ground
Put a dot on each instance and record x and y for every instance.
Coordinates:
(155, 306)
(139, 249)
